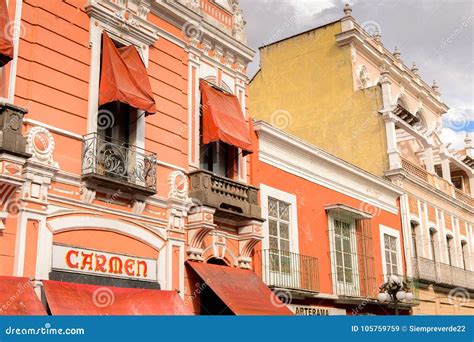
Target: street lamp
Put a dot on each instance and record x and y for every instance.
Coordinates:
(394, 290)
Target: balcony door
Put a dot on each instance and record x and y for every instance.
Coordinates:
(345, 268)
(284, 266)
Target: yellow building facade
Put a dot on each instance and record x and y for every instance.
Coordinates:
(342, 90)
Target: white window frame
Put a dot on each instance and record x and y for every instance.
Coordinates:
(394, 233)
(94, 77)
(266, 192)
(11, 81)
(343, 287)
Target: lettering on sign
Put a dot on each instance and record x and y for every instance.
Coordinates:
(79, 260)
(307, 310)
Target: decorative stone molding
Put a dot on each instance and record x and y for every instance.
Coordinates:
(238, 28)
(178, 186)
(40, 144)
(363, 76)
(129, 17)
(87, 195)
(200, 224)
(249, 236)
(218, 244)
(138, 206)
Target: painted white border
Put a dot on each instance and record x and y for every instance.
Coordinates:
(267, 191)
(395, 233)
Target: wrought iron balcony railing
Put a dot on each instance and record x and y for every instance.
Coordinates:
(441, 273)
(105, 160)
(282, 269)
(229, 197)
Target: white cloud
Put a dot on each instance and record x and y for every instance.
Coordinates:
(456, 139)
(308, 8)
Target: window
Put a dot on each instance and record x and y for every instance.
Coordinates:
(391, 258)
(218, 157)
(414, 228)
(433, 244)
(279, 235)
(465, 254)
(449, 246)
(344, 242)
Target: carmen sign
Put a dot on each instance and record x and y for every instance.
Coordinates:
(78, 260)
(306, 310)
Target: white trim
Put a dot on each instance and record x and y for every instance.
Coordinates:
(267, 191)
(395, 233)
(304, 160)
(53, 129)
(169, 266)
(84, 222)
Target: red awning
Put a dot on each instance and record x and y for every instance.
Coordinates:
(6, 30)
(17, 297)
(80, 299)
(222, 118)
(124, 77)
(241, 290)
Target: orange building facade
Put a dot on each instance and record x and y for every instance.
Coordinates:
(105, 180)
(332, 234)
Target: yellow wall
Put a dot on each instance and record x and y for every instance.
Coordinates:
(305, 87)
(432, 302)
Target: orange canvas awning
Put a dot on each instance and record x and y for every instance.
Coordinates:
(17, 297)
(241, 290)
(124, 77)
(6, 43)
(80, 299)
(222, 118)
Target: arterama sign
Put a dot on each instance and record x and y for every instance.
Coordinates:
(79, 260)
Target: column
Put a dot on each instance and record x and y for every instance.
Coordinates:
(392, 150)
(446, 169)
(429, 158)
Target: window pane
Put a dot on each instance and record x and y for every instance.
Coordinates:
(338, 244)
(386, 241)
(274, 262)
(272, 228)
(340, 274)
(272, 207)
(284, 231)
(284, 210)
(285, 264)
(346, 245)
(394, 258)
(348, 273)
(346, 229)
(338, 258)
(284, 245)
(393, 243)
(387, 257)
(394, 269)
(337, 227)
(348, 260)
(273, 243)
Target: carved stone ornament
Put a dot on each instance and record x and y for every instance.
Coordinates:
(178, 185)
(40, 144)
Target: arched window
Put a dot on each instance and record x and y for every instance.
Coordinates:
(433, 243)
(414, 235)
(449, 246)
(421, 124)
(465, 254)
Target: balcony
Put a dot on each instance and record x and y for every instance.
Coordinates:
(232, 199)
(282, 269)
(106, 161)
(437, 182)
(440, 273)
